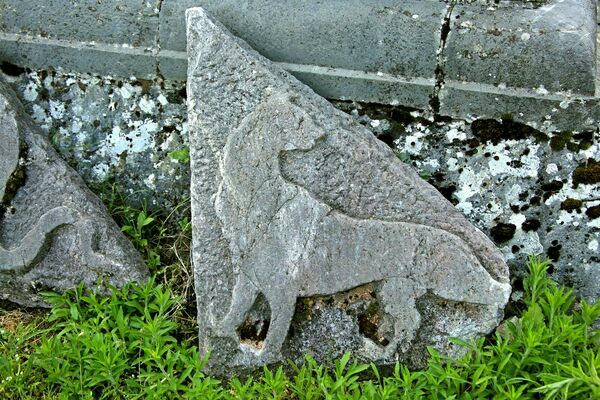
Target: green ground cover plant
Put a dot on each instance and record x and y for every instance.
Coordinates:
(128, 346)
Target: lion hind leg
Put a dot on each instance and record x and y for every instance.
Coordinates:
(459, 276)
(398, 295)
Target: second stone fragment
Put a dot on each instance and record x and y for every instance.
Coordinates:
(54, 232)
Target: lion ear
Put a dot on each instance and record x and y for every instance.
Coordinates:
(295, 127)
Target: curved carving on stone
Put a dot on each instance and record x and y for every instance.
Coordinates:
(91, 236)
(21, 257)
(285, 243)
(292, 199)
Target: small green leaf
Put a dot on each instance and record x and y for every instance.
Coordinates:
(74, 312)
(143, 220)
(181, 155)
(403, 156)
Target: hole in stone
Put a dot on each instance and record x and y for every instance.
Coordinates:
(11, 69)
(183, 93)
(518, 284)
(388, 138)
(253, 330)
(368, 324)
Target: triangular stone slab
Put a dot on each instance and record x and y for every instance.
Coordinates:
(54, 232)
(310, 230)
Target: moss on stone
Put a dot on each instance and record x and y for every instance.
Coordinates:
(571, 204)
(531, 225)
(553, 186)
(560, 140)
(585, 139)
(503, 232)
(491, 130)
(593, 212)
(588, 174)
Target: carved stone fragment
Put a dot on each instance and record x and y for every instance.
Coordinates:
(54, 232)
(305, 225)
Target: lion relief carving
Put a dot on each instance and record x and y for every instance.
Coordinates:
(287, 243)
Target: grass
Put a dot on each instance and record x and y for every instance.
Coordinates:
(127, 346)
(164, 242)
(139, 343)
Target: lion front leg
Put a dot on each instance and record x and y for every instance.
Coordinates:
(243, 297)
(283, 304)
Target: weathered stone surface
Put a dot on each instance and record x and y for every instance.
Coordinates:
(112, 37)
(495, 172)
(305, 224)
(510, 46)
(505, 60)
(54, 232)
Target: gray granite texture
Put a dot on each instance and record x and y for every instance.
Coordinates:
(520, 47)
(294, 201)
(54, 232)
(500, 60)
(480, 58)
